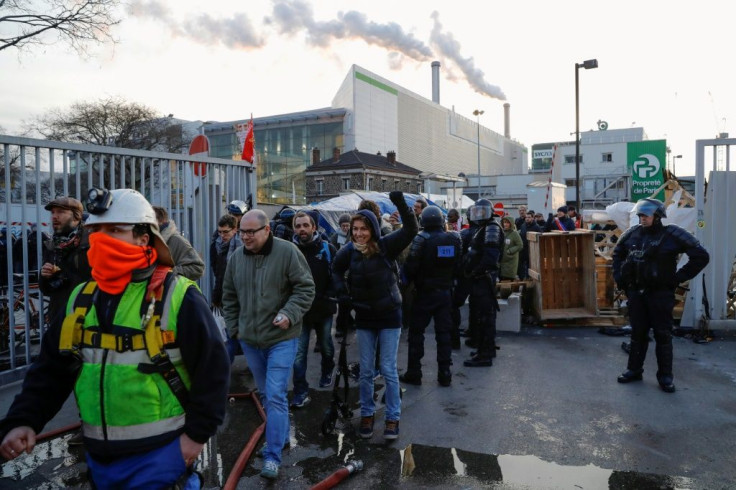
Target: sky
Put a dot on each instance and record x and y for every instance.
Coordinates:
(663, 65)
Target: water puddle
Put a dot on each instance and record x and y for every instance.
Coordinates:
(314, 456)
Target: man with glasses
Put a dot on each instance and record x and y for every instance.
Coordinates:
(267, 289)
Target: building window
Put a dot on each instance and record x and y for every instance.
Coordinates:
(369, 185)
(419, 187)
(607, 157)
(571, 159)
(570, 182)
(397, 185)
(346, 183)
(320, 187)
(383, 184)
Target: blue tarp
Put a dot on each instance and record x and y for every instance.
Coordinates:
(331, 209)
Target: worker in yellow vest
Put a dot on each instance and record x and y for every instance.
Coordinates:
(142, 352)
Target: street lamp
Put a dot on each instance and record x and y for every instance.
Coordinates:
(477, 114)
(673, 163)
(587, 64)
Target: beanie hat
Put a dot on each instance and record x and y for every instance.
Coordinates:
(344, 218)
(562, 209)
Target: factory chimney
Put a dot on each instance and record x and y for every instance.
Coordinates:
(507, 120)
(436, 82)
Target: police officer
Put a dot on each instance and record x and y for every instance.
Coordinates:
(462, 290)
(481, 265)
(431, 265)
(645, 266)
(281, 225)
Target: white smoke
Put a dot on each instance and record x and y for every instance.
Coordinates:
(292, 17)
(449, 49)
(235, 32)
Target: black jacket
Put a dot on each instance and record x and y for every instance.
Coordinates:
(320, 264)
(659, 247)
(372, 282)
(73, 269)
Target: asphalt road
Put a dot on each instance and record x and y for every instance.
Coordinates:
(548, 414)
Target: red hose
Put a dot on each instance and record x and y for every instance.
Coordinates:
(234, 476)
(53, 433)
(339, 475)
(332, 480)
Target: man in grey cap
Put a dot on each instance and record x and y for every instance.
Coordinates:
(64, 255)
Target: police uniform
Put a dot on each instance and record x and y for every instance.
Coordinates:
(431, 266)
(481, 265)
(645, 266)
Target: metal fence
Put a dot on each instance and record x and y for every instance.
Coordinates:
(194, 191)
(712, 297)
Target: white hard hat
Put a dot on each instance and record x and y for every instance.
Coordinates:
(130, 207)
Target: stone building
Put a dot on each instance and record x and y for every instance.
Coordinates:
(358, 171)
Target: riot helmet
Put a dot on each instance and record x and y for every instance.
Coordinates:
(481, 211)
(286, 215)
(433, 217)
(237, 207)
(650, 207)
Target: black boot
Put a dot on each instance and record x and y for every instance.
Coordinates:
(664, 367)
(444, 377)
(411, 378)
(479, 360)
(634, 368)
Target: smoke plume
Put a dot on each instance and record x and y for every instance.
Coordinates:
(294, 17)
(449, 49)
(236, 32)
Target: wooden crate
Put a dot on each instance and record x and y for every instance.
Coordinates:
(562, 265)
(604, 290)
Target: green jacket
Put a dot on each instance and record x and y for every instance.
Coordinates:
(512, 246)
(187, 261)
(257, 287)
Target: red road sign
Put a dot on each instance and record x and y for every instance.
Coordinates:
(200, 147)
(498, 209)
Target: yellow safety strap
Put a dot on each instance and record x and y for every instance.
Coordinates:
(120, 343)
(72, 327)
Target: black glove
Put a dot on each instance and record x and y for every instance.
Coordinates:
(396, 197)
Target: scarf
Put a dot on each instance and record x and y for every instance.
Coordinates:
(113, 261)
(367, 249)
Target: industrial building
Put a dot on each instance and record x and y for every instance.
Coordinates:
(373, 115)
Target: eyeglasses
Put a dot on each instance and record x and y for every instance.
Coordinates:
(251, 232)
(225, 232)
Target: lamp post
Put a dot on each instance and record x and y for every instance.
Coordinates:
(477, 114)
(587, 64)
(673, 163)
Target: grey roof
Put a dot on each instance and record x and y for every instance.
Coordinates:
(358, 159)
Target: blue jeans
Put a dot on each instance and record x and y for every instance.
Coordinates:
(323, 327)
(271, 368)
(159, 468)
(388, 340)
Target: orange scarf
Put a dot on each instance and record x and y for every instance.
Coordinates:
(113, 261)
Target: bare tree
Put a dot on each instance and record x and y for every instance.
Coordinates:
(111, 122)
(40, 22)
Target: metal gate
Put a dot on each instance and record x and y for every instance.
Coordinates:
(713, 293)
(194, 191)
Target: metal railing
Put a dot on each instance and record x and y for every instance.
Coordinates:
(194, 191)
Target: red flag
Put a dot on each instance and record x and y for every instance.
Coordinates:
(249, 145)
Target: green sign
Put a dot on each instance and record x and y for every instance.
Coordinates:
(646, 160)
